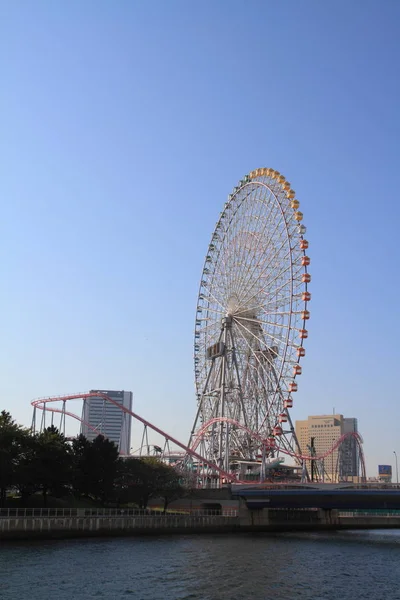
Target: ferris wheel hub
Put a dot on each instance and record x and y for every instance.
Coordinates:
(238, 309)
(233, 306)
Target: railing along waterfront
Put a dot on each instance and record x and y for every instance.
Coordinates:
(111, 512)
(369, 513)
(290, 485)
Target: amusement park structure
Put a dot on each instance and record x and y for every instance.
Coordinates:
(251, 323)
(250, 328)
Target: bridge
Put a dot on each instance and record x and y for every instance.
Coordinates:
(317, 507)
(324, 496)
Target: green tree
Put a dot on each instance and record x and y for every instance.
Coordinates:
(82, 466)
(169, 484)
(25, 478)
(51, 463)
(133, 485)
(141, 479)
(12, 440)
(95, 468)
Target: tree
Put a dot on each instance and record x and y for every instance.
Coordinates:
(25, 477)
(141, 479)
(82, 459)
(46, 462)
(95, 468)
(51, 463)
(12, 439)
(169, 485)
(134, 484)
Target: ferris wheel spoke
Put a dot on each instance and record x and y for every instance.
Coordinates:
(224, 272)
(253, 371)
(265, 293)
(219, 289)
(275, 303)
(283, 343)
(262, 322)
(261, 341)
(214, 310)
(277, 290)
(225, 292)
(204, 319)
(256, 358)
(261, 307)
(279, 222)
(252, 267)
(215, 299)
(269, 279)
(254, 273)
(207, 328)
(252, 230)
(248, 346)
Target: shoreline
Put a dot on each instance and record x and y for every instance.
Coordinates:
(234, 528)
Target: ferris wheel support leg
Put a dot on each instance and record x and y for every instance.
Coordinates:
(234, 357)
(200, 406)
(223, 459)
(226, 466)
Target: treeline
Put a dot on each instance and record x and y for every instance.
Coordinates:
(46, 463)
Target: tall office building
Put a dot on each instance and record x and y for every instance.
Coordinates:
(322, 431)
(349, 460)
(318, 434)
(108, 419)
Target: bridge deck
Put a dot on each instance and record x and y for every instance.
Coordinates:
(342, 499)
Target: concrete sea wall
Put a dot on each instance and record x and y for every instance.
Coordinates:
(30, 527)
(14, 528)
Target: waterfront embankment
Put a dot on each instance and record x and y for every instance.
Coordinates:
(25, 528)
(64, 524)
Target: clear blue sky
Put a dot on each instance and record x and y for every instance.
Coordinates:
(124, 125)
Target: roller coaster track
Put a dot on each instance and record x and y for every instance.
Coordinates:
(47, 405)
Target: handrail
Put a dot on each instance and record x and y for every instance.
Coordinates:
(110, 512)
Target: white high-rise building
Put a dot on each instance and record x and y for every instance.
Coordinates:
(105, 418)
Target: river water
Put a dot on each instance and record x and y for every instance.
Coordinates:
(343, 566)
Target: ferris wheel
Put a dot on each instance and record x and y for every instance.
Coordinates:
(251, 324)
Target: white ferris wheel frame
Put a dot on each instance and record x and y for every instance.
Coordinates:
(252, 301)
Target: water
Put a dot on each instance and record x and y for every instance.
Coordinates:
(343, 566)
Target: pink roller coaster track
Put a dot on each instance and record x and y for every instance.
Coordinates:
(42, 404)
(356, 436)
